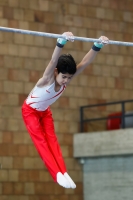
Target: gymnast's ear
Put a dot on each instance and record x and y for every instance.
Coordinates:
(56, 71)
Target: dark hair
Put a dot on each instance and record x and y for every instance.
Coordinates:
(66, 64)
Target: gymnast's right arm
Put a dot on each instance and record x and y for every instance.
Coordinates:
(48, 75)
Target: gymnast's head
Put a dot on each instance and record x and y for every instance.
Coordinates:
(65, 69)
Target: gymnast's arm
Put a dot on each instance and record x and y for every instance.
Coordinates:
(90, 56)
(48, 75)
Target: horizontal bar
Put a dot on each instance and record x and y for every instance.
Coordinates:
(106, 104)
(110, 117)
(52, 35)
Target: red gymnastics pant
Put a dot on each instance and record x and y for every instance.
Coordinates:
(41, 129)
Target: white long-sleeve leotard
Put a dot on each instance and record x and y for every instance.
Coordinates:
(40, 98)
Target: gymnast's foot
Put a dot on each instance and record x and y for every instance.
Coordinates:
(61, 180)
(72, 184)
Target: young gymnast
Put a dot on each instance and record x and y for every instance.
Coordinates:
(36, 112)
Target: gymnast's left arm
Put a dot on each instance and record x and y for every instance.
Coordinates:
(89, 57)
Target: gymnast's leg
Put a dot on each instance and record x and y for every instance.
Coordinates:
(32, 121)
(48, 126)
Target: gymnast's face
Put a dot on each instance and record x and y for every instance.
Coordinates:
(63, 79)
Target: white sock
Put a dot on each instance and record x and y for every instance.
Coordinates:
(73, 185)
(61, 180)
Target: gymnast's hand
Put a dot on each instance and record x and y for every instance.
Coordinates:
(104, 40)
(68, 37)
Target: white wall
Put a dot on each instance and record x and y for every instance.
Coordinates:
(108, 166)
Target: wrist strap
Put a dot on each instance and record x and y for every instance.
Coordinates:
(59, 45)
(99, 45)
(95, 48)
(61, 41)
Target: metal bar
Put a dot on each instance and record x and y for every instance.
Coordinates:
(104, 118)
(99, 119)
(123, 114)
(105, 104)
(81, 119)
(52, 35)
